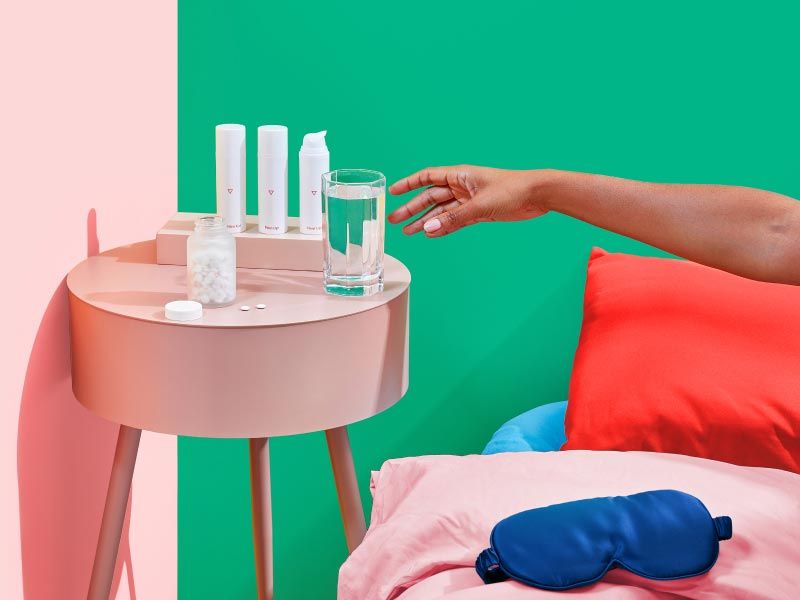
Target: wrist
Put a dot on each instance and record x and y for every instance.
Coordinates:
(543, 190)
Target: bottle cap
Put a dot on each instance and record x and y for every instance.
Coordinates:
(273, 140)
(230, 131)
(229, 138)
(183, 310)
(314, 143)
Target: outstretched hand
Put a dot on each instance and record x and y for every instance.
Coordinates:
(457, 196)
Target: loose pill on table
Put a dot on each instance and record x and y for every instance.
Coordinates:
(244, 307)
(261, 306)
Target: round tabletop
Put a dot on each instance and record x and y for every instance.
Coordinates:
(308, 361)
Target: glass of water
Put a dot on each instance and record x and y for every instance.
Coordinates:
(353, 208)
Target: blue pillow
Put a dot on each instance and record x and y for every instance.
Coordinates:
(663, 534)
(540, 429)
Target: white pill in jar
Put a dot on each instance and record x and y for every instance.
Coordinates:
(211, 263)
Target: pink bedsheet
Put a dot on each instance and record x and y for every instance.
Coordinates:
(432, 515)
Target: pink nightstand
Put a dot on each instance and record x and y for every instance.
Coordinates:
(308, 362)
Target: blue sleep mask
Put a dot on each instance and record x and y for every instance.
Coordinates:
(663, 534)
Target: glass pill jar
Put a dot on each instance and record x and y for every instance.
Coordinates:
(211, 263)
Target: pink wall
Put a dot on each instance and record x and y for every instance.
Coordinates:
(89, 114)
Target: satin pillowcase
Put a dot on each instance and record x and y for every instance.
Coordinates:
(682, 358)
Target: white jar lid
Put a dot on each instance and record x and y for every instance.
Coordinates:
(183, 310)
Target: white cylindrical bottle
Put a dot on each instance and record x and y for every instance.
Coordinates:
(230, 155)
(314, 161)
(273, 205)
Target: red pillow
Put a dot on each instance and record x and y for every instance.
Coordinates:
(677, 357)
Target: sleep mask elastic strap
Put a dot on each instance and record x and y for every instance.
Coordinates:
(488, 567)
(724, 527)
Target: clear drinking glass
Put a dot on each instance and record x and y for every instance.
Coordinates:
(353, 208)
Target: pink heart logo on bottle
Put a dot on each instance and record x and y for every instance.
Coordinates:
(271, 192)
(313, 192)
(230, 190)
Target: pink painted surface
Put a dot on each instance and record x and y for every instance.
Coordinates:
(90, 126)
(291, 250)
(344, 474)
(432, 515)
(308, 362)
(127, 282)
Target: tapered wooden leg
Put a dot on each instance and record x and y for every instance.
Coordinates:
(119, 488)
(344, 473)
(262, 515)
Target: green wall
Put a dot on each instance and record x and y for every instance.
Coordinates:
(678, 91)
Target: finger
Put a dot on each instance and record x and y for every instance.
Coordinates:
(430, 197)
(417, 224)
(429, 176)
(453, 220)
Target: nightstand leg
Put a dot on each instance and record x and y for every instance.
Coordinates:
(344, 473)
(262, 515)
(119, 488)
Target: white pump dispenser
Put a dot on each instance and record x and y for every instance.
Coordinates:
(314, 161)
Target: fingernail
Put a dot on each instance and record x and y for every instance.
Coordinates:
(432, 225)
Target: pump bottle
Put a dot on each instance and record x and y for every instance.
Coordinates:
(314, 161)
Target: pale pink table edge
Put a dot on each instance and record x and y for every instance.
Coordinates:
(293, 374)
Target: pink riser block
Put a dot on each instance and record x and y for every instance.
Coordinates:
(293, 251)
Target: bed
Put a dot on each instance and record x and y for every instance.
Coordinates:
(432, 515)
(685, 378)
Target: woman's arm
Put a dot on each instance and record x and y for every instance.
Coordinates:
(746, 231)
